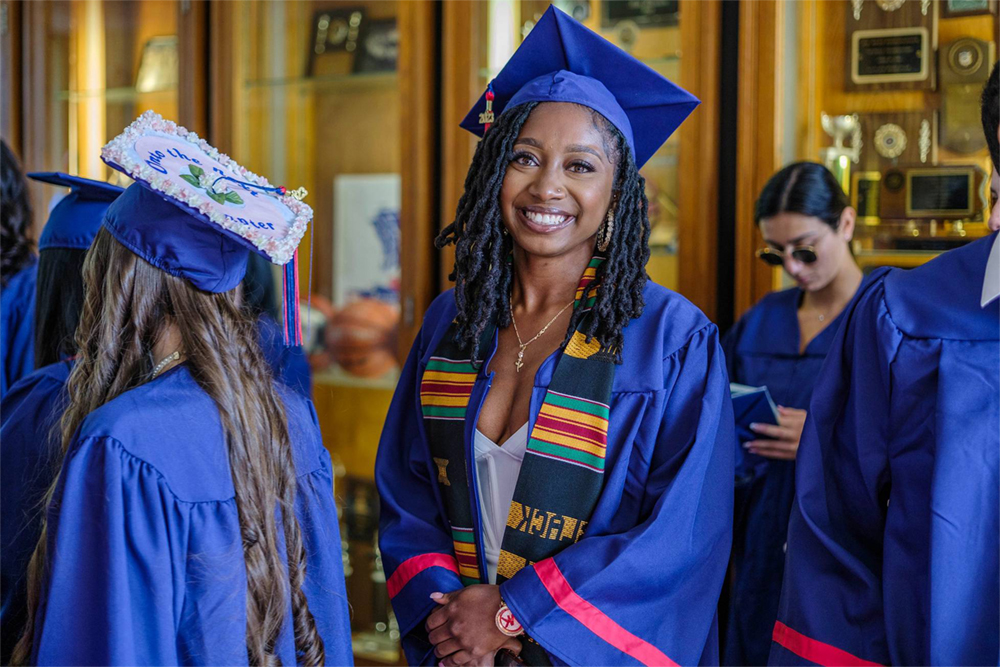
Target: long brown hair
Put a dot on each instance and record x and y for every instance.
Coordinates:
(127, 303)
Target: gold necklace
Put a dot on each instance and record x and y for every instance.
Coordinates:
(173, 356)
(520, 353)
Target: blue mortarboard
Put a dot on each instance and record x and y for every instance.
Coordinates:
(75, 219)
(562, 61)
(196, 214)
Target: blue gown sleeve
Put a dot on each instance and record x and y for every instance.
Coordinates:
(748, 467)
(325, 587)
(109, 598)
(831, 609)
(649, 595)
(17, 327)
(28, 444)
(416, 546)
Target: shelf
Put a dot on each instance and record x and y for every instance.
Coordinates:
(111, 95)
(337, 376)
(372, 80)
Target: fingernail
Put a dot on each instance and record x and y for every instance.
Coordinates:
(746, 445)
(436, 596)
(754, 425)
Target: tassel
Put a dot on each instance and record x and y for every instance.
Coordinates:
(487, 118)
(290, 290)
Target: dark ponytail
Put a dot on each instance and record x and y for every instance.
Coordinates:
(806, 188)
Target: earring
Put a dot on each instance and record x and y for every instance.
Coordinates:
(503, 231)
(604, 233)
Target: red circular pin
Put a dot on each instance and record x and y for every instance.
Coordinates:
(507, 624)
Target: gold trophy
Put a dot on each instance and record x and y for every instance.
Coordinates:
(838, 158)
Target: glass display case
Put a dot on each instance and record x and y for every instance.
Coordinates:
(99, 66)
(318, 103)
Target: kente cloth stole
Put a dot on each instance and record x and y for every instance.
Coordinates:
(563, 469)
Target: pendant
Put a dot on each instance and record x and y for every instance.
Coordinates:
(520, 359)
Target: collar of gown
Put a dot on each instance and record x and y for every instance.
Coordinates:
(991, 279)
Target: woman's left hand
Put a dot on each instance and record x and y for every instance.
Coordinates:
(464, 630)
(786, 435)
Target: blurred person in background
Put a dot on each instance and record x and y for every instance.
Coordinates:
(31, 409)
(894, 537)
(781, 343)
(18, 268)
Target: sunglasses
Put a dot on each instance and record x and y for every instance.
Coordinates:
(805, 254)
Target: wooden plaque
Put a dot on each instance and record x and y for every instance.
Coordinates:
(934, 193)
(891, 44)
(865, 187)
(903, 138)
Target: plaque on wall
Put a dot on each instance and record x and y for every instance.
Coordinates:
(902, 138)
(890, 45)
(643, 12)
(933, 193)
(956, 8)
(335, 34)
(865, 196)
(964, 68)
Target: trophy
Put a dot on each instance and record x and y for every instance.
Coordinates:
(838, 158)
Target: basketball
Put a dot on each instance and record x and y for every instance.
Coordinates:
(362, 337)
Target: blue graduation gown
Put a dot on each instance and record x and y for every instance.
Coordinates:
(28, 414)
(893, 540)
(763, 349)
(288, 364)
(17, 326)
(643, 583)
(145, 556)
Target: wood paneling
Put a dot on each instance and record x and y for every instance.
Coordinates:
(11, 75)
(419, 135)
(224, 81)
(822, 76)
(699, 153)
(192, 47)
(759, 137)
(461, 22)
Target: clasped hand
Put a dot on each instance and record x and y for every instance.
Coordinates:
(463, 629)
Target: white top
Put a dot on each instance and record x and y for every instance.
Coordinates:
(991, 281)
(497, 469)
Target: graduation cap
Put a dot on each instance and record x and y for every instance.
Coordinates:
(75, 219)
(197, 214)
(562, 61)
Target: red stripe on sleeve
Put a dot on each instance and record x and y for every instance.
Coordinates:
(815, 651)
(594, 619)
(411, 567)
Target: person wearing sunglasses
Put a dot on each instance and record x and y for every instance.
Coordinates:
(807, 225)
(893, 551)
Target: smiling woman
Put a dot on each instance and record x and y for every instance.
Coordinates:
(532, 483)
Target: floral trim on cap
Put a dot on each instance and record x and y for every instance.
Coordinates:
(118, 154)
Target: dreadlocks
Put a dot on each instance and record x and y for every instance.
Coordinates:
(482, 273)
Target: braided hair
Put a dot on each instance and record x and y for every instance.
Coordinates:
(482, 273)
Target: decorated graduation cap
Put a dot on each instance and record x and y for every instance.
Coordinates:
(562, 61)
(75, 219)
(196, 214)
